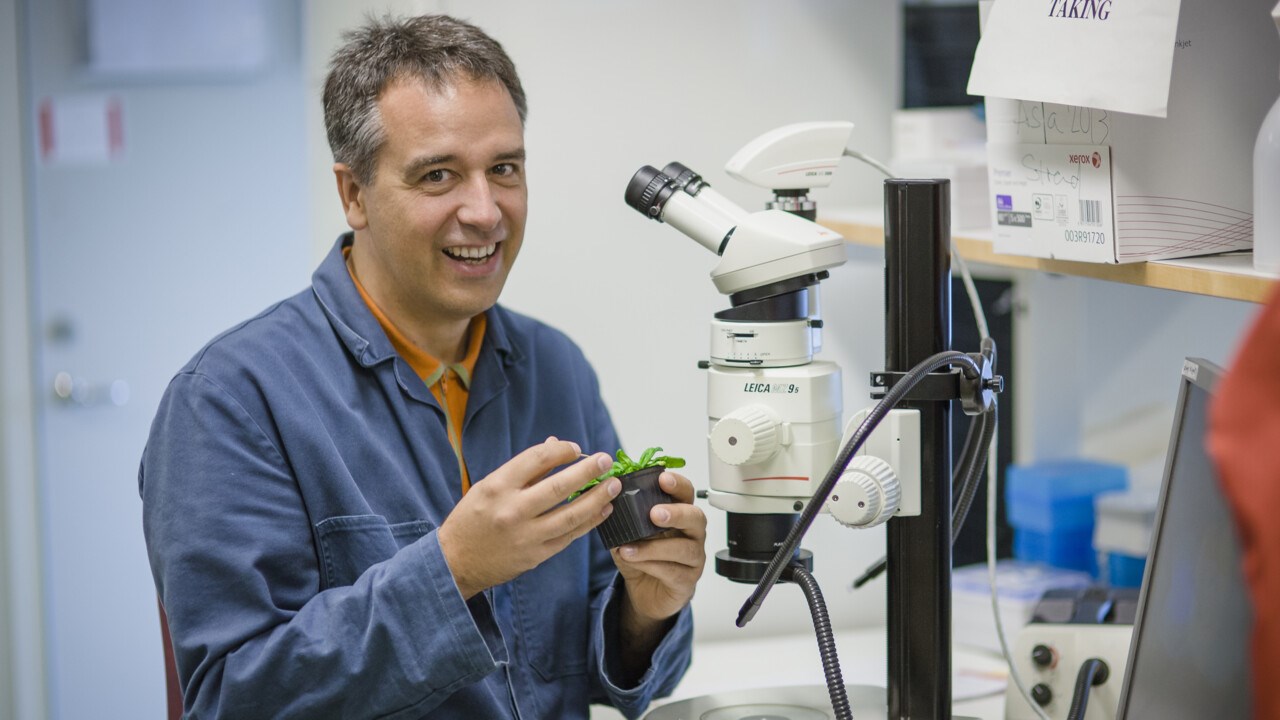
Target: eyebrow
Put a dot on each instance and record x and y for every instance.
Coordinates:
(421, 164)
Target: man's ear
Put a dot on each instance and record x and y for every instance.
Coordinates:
(351, 192)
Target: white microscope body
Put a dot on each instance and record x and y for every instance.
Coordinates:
(774, 412)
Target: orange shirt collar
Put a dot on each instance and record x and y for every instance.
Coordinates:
(425, 365)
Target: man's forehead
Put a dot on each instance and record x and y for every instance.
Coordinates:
(444, 86)
(440, 85)
(425, 125)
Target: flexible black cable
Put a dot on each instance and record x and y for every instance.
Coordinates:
(964, 483)
(826, 639)
(1093, 671)
(972, 476)
(963, 466)
(891, 399)
(975, 455)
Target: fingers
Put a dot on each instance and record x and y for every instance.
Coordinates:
(555, 489)
(684, 546)
(688, 520)
(679, 579)
(681, 515)
(532, 464)
(577, 518)
(677, 550)
(677, 486)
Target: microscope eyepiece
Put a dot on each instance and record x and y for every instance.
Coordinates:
(702, 214)
(649, 191)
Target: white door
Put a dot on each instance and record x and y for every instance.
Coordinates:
(197, 220)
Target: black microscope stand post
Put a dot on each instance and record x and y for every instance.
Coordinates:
(917, 325)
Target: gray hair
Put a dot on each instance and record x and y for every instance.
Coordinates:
(436, 49)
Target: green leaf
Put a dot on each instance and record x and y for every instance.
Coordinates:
(622, 457)
(624, 465)
(644, 459)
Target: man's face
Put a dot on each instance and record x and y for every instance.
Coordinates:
(440, 223)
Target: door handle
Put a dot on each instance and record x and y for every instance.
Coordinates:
(80, 392)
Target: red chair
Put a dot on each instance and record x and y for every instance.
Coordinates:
(172, 687)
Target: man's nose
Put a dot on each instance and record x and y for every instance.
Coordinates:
(479, 208)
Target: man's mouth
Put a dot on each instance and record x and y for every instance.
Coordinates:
(472, 254)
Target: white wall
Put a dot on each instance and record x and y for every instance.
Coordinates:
(1107, 359)
(614, 86)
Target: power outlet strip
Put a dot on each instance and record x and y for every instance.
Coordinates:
(1052, 675)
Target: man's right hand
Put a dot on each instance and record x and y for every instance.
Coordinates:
(514, 519)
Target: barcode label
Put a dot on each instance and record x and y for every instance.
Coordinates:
(1090, 212)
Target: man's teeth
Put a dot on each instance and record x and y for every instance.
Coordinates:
(471, 253)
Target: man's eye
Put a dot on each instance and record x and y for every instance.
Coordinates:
(504, 169)
(436, 176)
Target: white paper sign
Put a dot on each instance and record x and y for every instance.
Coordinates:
(80, 130)
(1110, 54)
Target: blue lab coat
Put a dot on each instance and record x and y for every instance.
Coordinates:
(292, 484)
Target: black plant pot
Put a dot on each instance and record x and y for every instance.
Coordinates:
(630, 518)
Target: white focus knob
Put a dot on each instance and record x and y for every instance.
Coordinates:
(867, 494)
(747, 436)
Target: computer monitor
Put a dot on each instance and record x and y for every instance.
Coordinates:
(1189, 657)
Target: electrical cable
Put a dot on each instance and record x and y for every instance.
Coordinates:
(826, 639)
(891, 399)
(969, 487)
(971, 292)
(849, 152)
(991, 578)
(992, 494)
(1093, 671)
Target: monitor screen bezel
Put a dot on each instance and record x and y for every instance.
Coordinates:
(1205, 375)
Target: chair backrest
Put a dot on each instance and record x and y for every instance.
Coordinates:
(173, 689)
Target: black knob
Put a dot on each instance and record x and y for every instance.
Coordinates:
(1042, 655)
(1042, 694)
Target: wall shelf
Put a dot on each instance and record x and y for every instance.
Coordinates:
(1229, 276)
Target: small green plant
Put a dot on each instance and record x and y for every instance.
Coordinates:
(623, 465)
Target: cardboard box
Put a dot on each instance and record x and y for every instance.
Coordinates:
(1084, 184)
(946, 142)
(968, 176)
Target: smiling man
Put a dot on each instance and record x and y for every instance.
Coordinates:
(354, 502)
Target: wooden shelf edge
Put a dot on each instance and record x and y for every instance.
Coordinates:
(1215, 283)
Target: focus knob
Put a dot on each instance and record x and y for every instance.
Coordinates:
(1042, 655)
(867, 494)
(747, 436)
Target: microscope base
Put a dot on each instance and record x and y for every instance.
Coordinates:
(796, 702)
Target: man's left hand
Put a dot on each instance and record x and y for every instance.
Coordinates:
(661, 572)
